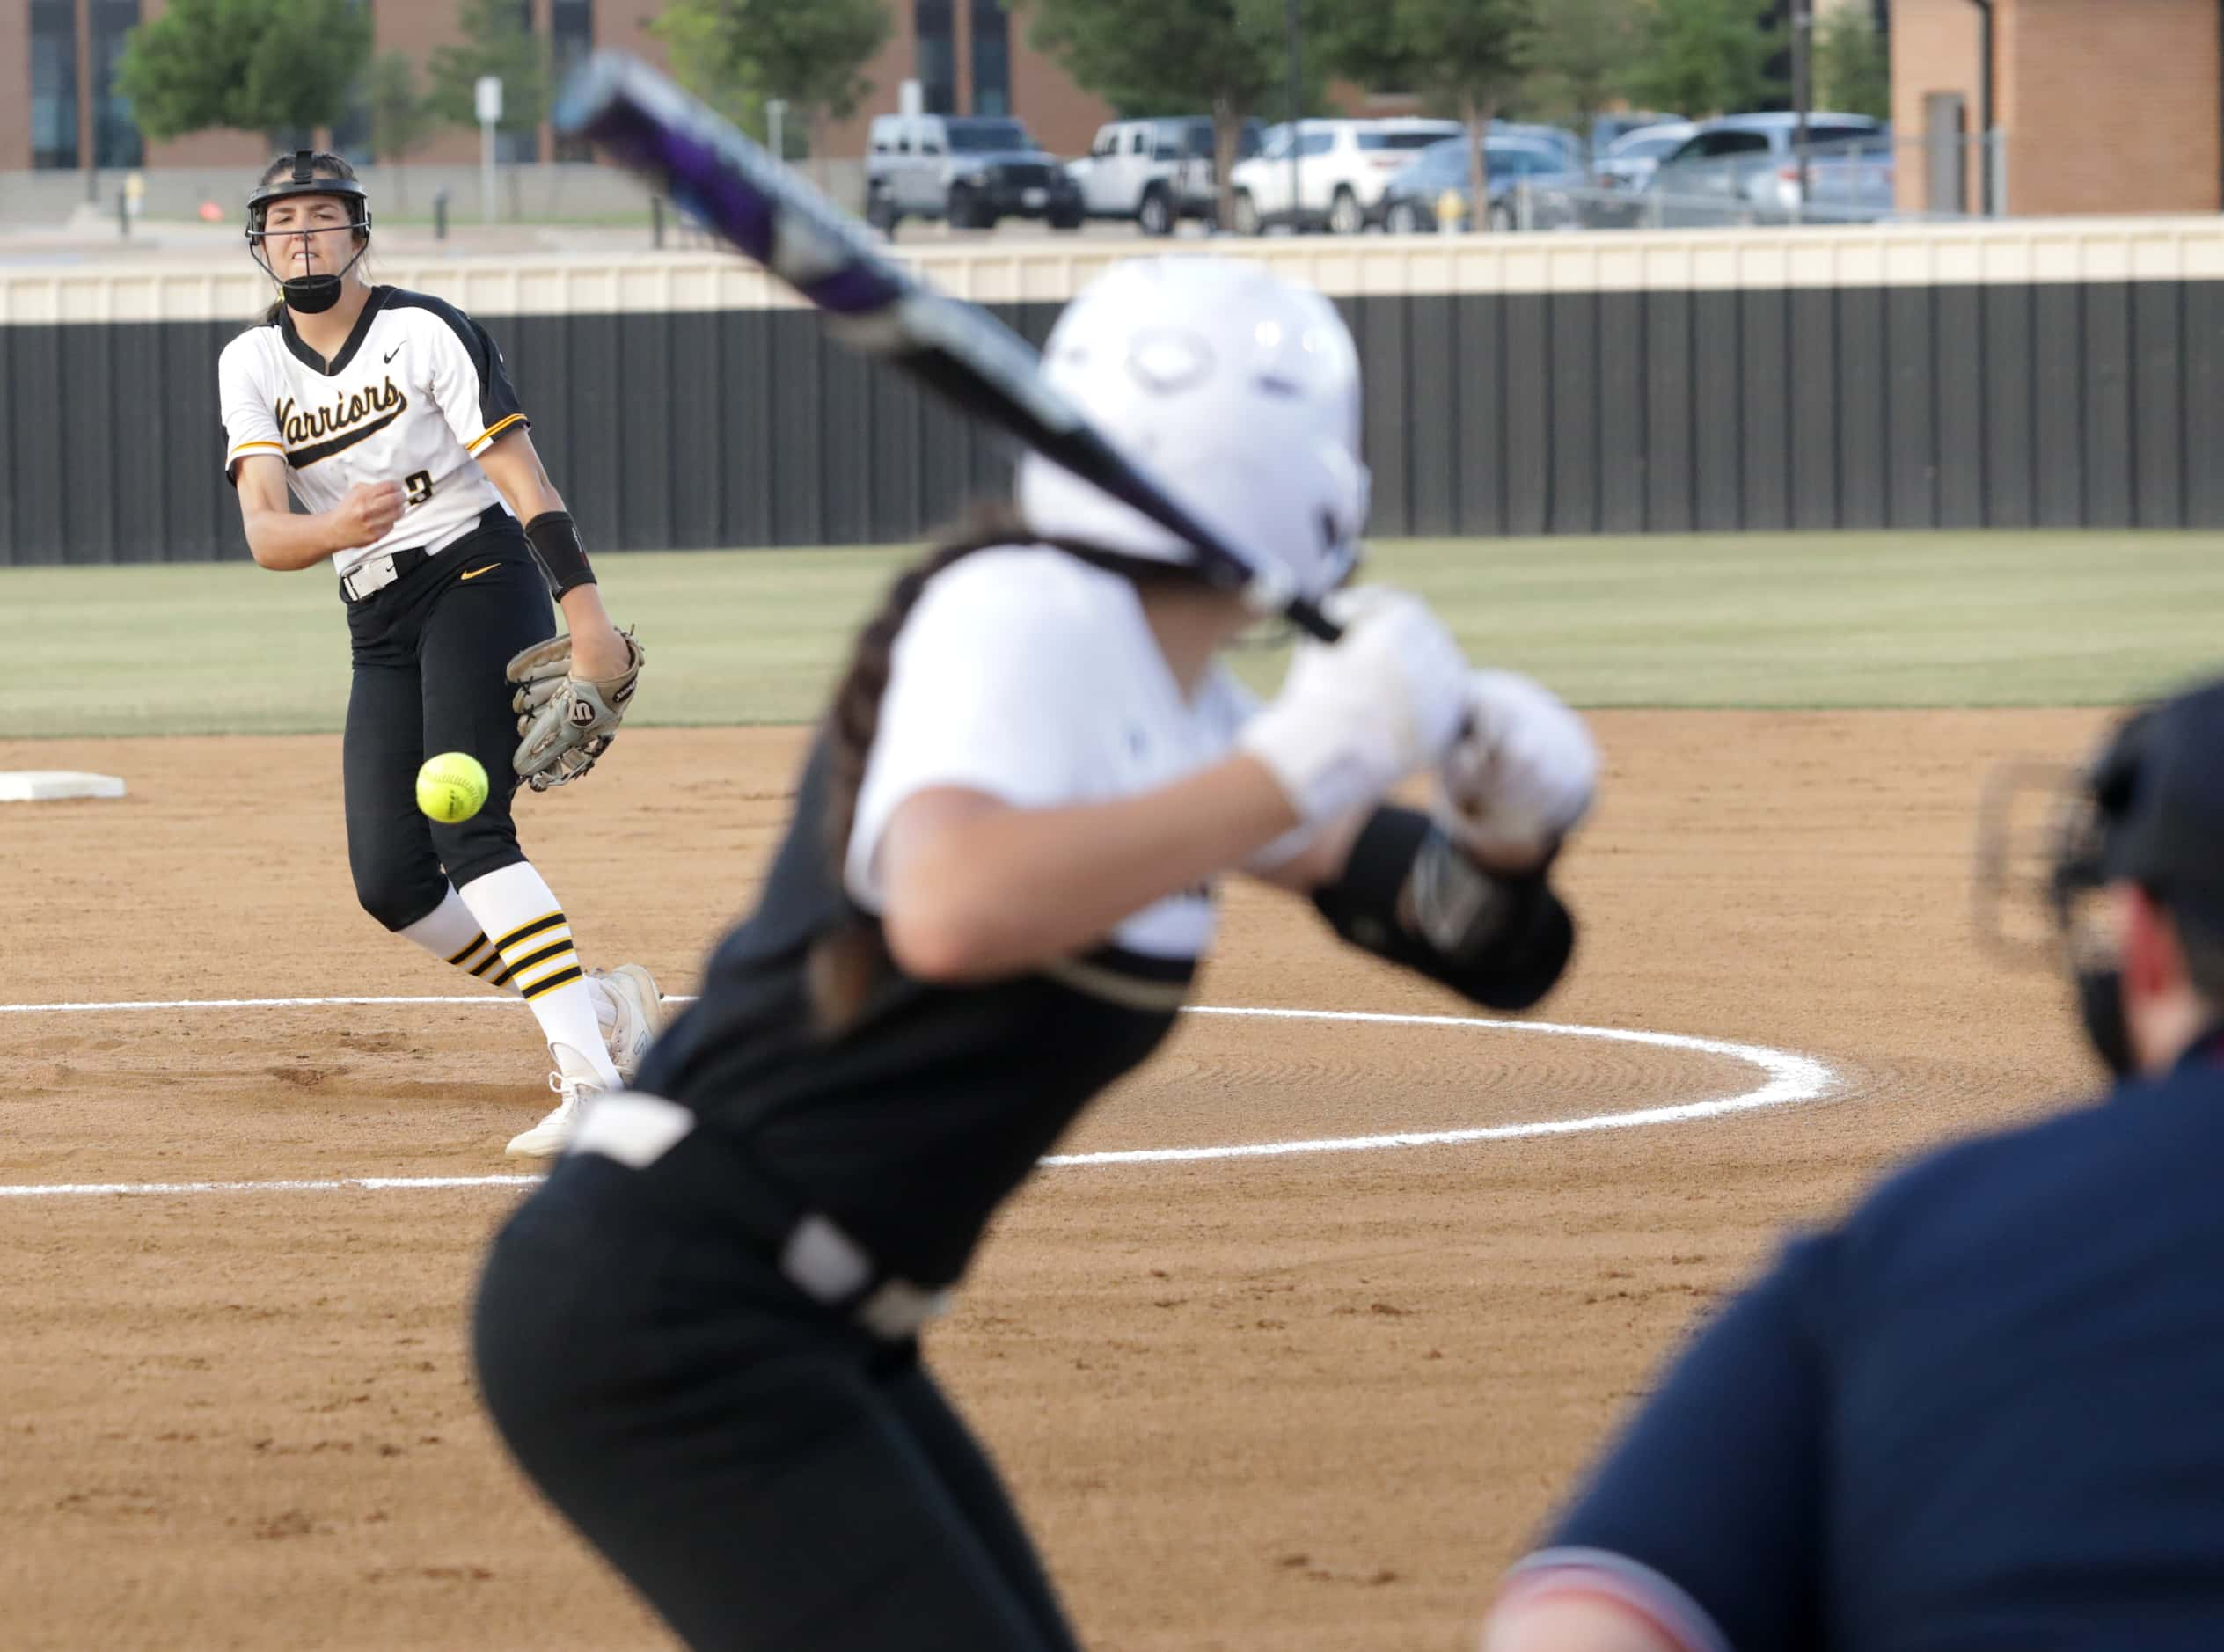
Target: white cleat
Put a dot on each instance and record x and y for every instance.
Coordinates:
(640, 1015)
(553, 1135)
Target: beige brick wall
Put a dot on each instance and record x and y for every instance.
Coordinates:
(887, 70)
(1934, 50)
(1062, 118)
(2112, 108)
(2106, 107)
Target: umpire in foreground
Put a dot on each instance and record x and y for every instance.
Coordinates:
(1988, 1410)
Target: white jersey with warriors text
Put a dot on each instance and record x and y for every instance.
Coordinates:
(417, 393)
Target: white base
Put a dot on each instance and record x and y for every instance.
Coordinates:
(38, 785)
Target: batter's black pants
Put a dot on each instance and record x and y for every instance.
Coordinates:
(767, 1474)
(429, 651)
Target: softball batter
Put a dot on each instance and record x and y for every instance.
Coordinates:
(390, 417)
(990, 903)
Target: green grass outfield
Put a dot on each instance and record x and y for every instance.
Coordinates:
(754, 636)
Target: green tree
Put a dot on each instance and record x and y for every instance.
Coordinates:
(259, 65)
(1470, 57)
(1226, 58)
(739, 56)
(1584, 52)
(1851, 68)
(495, 42)
(400, 119)
(1705, 57)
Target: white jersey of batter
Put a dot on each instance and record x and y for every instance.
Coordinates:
(1029, 674)
(417, 393)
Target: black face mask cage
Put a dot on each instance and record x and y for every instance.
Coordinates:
(2041, 897)
(310, 294)
(2037, 837)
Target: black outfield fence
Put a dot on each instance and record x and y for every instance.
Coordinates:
(2056, 404)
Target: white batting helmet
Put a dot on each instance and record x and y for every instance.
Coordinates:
(1237, 389)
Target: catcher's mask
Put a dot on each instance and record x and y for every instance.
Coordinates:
(2149, 810)
(311, 173)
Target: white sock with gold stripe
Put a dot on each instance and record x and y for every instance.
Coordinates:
(451, 934)
(517, 909)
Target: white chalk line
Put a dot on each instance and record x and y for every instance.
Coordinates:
(1790, 1080)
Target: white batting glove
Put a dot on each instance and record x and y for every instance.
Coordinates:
(1522, 776)
(1358, 715)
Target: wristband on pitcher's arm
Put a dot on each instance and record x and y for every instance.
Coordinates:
(1410, 894)
(555, 538)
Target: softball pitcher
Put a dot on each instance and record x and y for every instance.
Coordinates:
(390, 417)
(990, 906)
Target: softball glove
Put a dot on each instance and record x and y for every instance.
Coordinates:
(565, 723)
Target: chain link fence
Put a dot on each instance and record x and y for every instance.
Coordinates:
(1877, 178)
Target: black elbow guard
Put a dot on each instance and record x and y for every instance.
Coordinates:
(555, 540)
(1407, 894)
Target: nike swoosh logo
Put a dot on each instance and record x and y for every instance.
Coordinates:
(391, 353)
(473, 574)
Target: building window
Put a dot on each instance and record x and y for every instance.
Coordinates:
(53, 83)
(351, 132)
(572, 24)
(991, 58)
(518, 145)
(115, 135)
(934, 21)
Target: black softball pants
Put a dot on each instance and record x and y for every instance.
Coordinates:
(429, 653)
(767, 1474)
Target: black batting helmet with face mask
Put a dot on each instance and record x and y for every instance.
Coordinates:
(311, 294)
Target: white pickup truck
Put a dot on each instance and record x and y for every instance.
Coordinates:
(1157, 172)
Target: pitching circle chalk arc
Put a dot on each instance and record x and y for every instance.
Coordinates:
(1787, 1080)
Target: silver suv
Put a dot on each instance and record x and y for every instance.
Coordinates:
(969, 171)
(1744, 169)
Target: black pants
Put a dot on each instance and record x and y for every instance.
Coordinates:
(429, 651)
(767, 1474)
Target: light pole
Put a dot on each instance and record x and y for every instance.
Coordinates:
(1802, 88)
(1297, 113)
(1986, 140)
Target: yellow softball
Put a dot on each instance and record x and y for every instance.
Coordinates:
(451, 787)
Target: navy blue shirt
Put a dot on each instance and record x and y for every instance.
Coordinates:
(1985, 1412)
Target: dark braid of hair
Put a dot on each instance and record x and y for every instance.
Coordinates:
(847, 962)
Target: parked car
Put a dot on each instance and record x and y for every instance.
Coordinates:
(1607, 131)
(1558, 136)
(969, 171)
(1744, 168)
(1342, 167)
(1515, 165)
(1631, 159)
(1157, 172)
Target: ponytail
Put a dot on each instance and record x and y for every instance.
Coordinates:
(848, 961)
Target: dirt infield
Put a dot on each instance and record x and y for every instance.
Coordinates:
(1302, 1402)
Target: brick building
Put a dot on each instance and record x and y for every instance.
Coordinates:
(969, 56)
(2103, 106)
